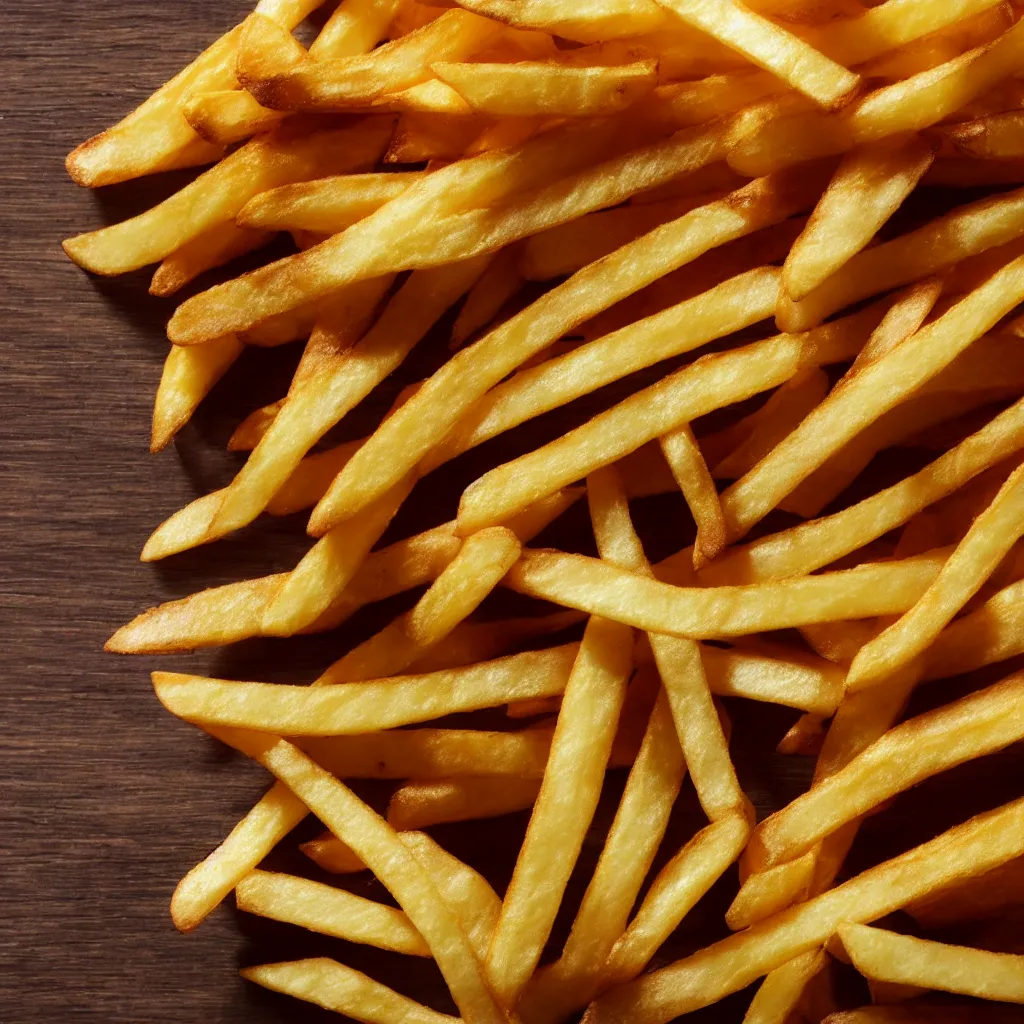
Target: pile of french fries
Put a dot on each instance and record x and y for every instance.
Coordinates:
(600, 188)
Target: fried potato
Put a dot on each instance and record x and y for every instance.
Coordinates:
(783, 988)
(422, 804)
(475, 571)
(364, 707)
(335, 987)
(497, 285)
(330, 911)
(216, 196)
(212, 249)
(978, 845)
(869, 186)
(684, 457)
(996, 137)
(985, 896)
(902, 959)
(768, 891)
(225, 116)
(587, 23)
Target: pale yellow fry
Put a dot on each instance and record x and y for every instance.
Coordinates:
(226, 116)
(906, 106)
(889, 380)
(905, 960)
(965, 232)
(712, 382)
(977, 725)
(683, 455)
(782, 990)
(673, 894)
(334, 387)
(356, 26)
(978, 845)
(352, 82)
(997, 137)
(329, 911)
(309, 480)
(770, 424)
(809, 546)
(770, 47)
(433, 754)
(188, 376)
(332, 855)
(977, 556)
(731, 306)
(589, 21)
(527, 89)
(422, 804)
(453, 390)
(215, 197)
(324, 572)
(575, 581)
(497, 285)
(381, 850)
(869, 186)
(343, 990)
(354, 708)
(329, 205)
(565, 806)
(771, 890)
(211, 249)
(474, 572)
(904, 320)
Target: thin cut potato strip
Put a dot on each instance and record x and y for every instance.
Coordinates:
(771, 890)
(587, 22)
(330, 911)
(226, 116)
(977, 556)
(866, 190)
(978, 845)
(996, 137)
(974, 726)
(985, 896)
(214, 248)
(422, 804)
(905, 960)
(343, 990)
(475, 571)
(353, 708)
(783, 989)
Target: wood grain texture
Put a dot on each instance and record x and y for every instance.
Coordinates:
(107, 801)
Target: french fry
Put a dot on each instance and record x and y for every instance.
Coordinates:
(804, 736)
(869, 186)
(899, 373)
(684, 457)
(326, 204)
(565, 806)
(974, 726)
(216, 196)
(335, 987)
(986, 896)
(188, 376)
(771, 890)
(497, 285)
(771, 47)
(587, 23)
(330, 911)
(474, 572)
(330, 854)
(356, 26)
(422, 804)
(903, 959)
(906, 106)
(381, 850)
(990, 138)
(902, 321)
(225, 116)
(528, 89)
(783, 988)
(988, 541)
(982, 843)
(213, 249)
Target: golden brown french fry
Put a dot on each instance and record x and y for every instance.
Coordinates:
(326, 204)
(869, 186)
(565, 805)
(188, 376)
(769, 46)
(902, 321)
(783, 988)
(978, 845)
(683, 455)
(422, 804)
(528, 89)
(906, 106)
(987, 542)
(804, 736)
(383, 852)
(356, 26)
(335, 987)
(576, 581)
(467, 377)
(332, 855)
(810, 546)
(225, 116)
(214, 198)
(890, 379)
(996, 137)
(211, 249)
(364, 707)
(475, 571)
(497, 285)
(905, 960)
(974, 726)
(330, 911)
(986, 896)
(585, 22)
(771, 890)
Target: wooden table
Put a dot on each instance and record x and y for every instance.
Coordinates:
(107, 800)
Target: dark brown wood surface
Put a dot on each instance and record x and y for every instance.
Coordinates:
(106, 800)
